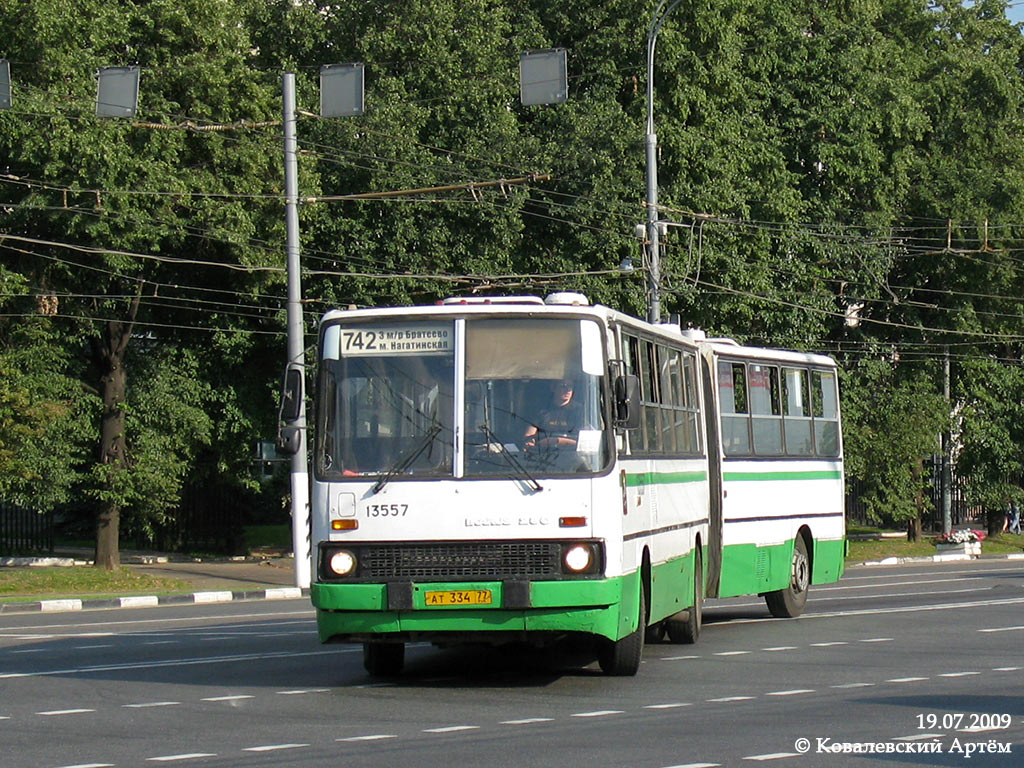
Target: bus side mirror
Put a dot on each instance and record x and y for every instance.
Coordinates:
(627, 402)
(289, 437)
(288, 440)
(291, 395)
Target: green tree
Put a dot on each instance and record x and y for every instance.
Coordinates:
(44, 416)
(991, 433)
(893, 419)
(127, 213)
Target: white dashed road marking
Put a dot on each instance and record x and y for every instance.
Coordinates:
(236, 697)
(371, 737)
(1002, 629)
(729, 699)
(186, 756)
(274, 747)
(58, 712)
(853, 685)
(772, 756)
(451, 729)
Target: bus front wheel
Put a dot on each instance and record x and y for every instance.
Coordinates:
(789, 603)
(621, 658)
(383, 659)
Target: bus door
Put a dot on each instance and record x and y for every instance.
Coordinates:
(711, 409)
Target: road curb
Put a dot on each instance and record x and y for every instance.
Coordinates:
(939, 559)
(152, 601)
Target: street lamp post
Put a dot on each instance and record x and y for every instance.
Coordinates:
(296, 339)
(651, 148)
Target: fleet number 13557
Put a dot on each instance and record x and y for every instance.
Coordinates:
(386, 510)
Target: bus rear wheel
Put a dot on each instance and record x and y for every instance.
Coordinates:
(383, 659)
(621, 658)
(687, 630)
(789, 603)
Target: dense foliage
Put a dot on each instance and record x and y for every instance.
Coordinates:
(845, 177)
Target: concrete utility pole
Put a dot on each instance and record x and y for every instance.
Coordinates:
(947, 473)
(296, 340)
(651, 149)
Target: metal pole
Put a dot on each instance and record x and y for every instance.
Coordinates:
(651, 151)
(947, 470)
(296, 341)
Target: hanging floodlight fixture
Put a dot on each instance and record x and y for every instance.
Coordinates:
(5, 84)
(341, 90)
(543, 77)
(117, 92)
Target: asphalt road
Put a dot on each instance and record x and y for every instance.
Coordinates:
(888, 662)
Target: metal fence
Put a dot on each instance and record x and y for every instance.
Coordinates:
(960, 512)
(25, 531)
(209, 519)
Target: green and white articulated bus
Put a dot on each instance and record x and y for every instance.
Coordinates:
(459, 495)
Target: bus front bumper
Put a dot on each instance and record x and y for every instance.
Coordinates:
(360, 612)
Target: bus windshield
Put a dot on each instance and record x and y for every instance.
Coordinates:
(532, 403)
(386, 400)
(533, 397)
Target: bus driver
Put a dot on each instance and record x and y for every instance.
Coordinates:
(559, 425)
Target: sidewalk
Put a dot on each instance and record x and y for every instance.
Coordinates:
(212, 580)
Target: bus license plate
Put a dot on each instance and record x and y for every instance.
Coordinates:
(458, 597)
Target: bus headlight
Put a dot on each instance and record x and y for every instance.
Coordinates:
(579, 558)
(342, 563)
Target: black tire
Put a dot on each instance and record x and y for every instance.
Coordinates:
(789, 603)
(621, 658)
(655, 633)
(383, 659)
(687, 630)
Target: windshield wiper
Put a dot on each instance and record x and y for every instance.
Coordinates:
(522, 473)
(403, 464)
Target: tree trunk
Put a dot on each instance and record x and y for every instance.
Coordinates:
(994, 519)
(110, 350)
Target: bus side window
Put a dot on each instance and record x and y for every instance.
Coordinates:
(668, 366)
(650, 396)
(825, 409)
(732, 393)
(691, 403)
(796, 412)
(631, 358)
(766, 421)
